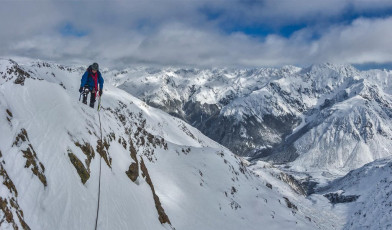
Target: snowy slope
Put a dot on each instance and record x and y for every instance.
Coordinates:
(362, 199)
(364, 196)
(157, 171)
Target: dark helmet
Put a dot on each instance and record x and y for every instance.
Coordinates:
(95, 66)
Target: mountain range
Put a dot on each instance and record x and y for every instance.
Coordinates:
(331, 117)
(65, 165)
(296, 148)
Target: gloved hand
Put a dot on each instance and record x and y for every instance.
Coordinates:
(100, 93)
(81, 90)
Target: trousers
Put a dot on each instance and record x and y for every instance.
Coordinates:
(92, 93)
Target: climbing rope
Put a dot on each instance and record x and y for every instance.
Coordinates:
(100, 166)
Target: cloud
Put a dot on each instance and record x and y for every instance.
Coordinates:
(198, 33)
(365, 40)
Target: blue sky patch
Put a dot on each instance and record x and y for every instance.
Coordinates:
(210, 13)
(263, 31)
(373, 65)
(69, 30)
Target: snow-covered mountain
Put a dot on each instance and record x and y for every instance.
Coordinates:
(215, 102)
(362, 199)
(364, 196)
(157, 172)
(325, 117)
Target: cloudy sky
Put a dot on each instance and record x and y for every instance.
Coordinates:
(202, 33)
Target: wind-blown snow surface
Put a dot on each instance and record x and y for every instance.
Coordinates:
(151, 163)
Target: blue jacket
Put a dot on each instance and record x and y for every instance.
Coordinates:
(89, 81)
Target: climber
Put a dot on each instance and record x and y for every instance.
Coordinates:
(89, 84)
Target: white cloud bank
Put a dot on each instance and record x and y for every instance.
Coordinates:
(174, 32)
